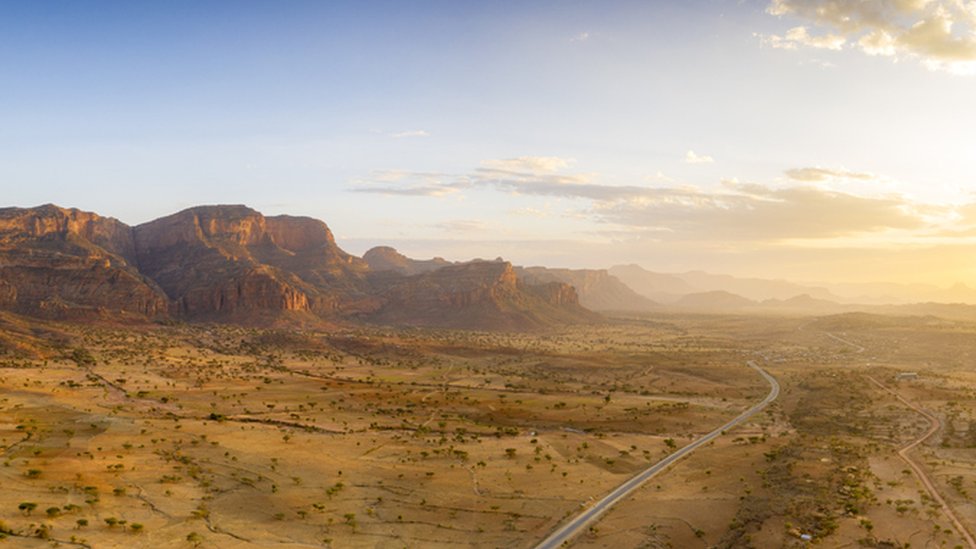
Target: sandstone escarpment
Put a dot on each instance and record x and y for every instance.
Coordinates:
(598, 289)
(231, 260)
(385, 258)
(51, 223)
(231, 263)
(56, 262)
(480, 294)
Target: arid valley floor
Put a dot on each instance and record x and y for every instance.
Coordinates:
(215, 436)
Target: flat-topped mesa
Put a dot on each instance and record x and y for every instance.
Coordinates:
(385, 258)
(230, 260)
(53, 222)
(214, 226)
(66, 263)
(478, 295)
(298, 234)
(598, 290)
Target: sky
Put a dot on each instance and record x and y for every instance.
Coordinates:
(816, 140)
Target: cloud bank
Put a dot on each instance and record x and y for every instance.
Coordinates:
(731, 212)
(941, 34)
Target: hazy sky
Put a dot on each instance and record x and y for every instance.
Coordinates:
(811, 139)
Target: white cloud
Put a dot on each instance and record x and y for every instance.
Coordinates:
(810, 175)
(410, 133)
(693, 158)
(582, 37)
(733, 212)
(941, 34)
(800, 36)
(532, 164)
(659, 177)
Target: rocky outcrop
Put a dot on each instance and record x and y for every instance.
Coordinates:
(216, 261)
(56, 262)
(231, 263)
(598, 290)
(478, 295)
(53, 224)
(385, 258)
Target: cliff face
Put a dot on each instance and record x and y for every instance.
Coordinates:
(51, 223)
(598, 290)
(67, 263)
(231, 263)
(478, 295)
(226, 261)
(231, 260)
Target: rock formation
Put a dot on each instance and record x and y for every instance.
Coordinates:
(62, 263)
(598, 290)
(385, 258)
(480, 295)
(215, 261)
(231, 263)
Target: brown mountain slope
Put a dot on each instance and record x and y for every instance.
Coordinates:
(232, 261)
(62, 263)
(385, 258)
(478, 295)
(598, 290)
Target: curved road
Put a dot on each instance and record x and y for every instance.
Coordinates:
(923, 477)
(587, 517)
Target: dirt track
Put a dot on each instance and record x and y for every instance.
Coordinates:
(920, 473)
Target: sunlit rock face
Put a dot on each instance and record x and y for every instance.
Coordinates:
(231, 263)
(56, 262)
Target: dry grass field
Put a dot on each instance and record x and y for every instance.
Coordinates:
(193, 436)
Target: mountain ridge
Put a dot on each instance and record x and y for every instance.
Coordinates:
(230, 263)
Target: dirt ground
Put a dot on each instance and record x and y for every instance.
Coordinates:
(197, 436)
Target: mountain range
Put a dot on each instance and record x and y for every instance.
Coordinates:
(233, 264)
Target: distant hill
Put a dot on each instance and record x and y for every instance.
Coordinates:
(669, 287)
(804, 304)
(715, 301)
(660, 287)
(479, 295)
(598, 290)
(385, 258)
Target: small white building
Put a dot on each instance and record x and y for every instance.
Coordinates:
(906, 376)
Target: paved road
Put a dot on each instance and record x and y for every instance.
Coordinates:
(923, 477)
(578, 523)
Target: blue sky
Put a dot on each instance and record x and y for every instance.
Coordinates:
(705, 134)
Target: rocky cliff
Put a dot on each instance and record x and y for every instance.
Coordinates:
(56, 262)
(598, 290)
(231, 263)
(215, 261)
(385, 258)
(478, 295)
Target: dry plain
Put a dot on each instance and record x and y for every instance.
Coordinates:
(216, 436)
